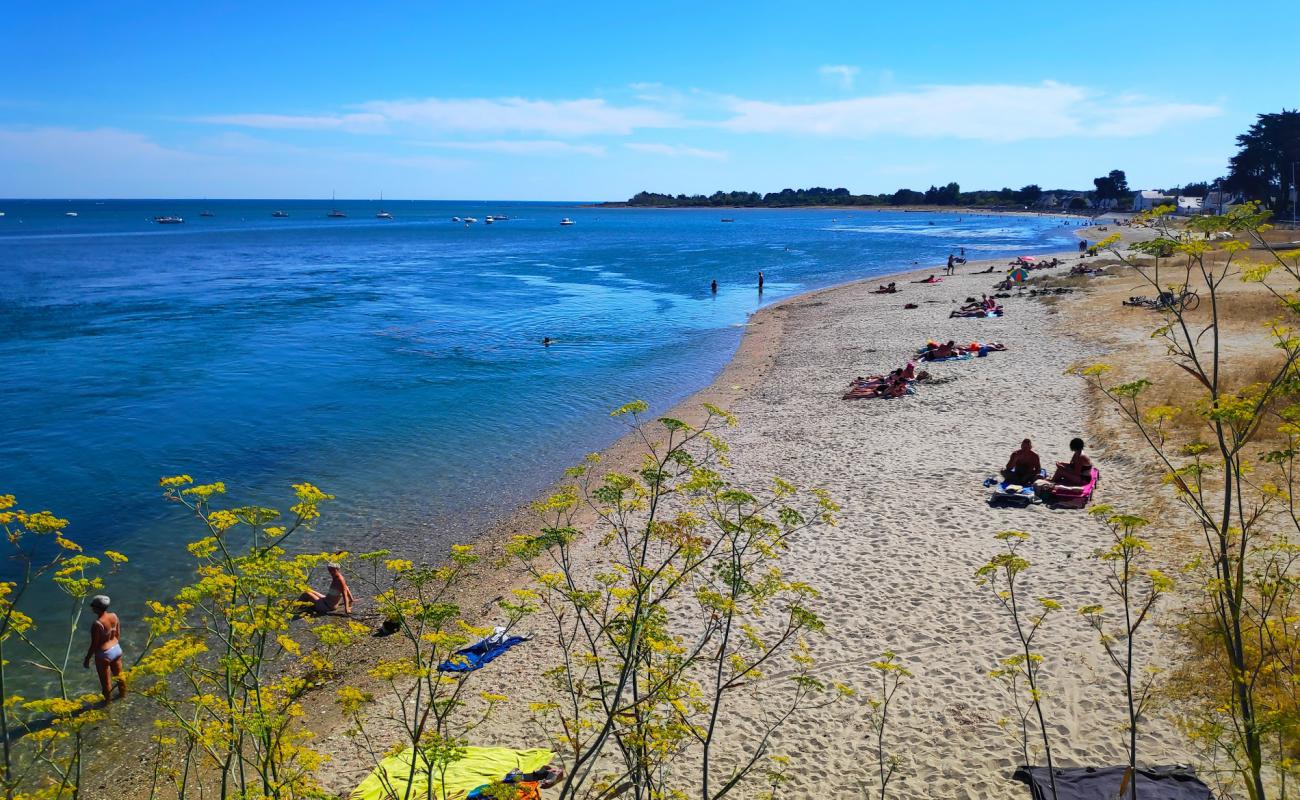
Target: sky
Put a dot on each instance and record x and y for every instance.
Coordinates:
(596, 101)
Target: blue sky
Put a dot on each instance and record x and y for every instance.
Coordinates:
(575, 101)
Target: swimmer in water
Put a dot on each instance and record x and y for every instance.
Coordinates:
(714, 287)
(546, 341)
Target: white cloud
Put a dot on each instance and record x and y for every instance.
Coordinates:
(988, 112)
(675, 151)
(582, 117)
(842, 74)
(545, 147)
(351, 123)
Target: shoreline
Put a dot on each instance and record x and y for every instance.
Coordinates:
(752, 364)
(743, 381)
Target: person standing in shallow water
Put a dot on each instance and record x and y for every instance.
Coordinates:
(760, 281)
(105, 647)
(714, 287)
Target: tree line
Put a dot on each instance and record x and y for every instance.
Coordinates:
(1263, 170)
(947, 195)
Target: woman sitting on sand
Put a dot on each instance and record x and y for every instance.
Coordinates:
(317, 603)
(1075, 472)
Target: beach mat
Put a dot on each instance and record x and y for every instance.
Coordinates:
(470, 658)
(480, 766)
(1103, 783)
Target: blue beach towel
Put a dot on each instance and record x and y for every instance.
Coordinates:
(470, 658)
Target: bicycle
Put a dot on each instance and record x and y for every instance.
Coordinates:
(1185, 300)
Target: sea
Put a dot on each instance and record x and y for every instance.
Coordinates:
(396, 364)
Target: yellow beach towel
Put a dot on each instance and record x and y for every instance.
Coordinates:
(479, 766)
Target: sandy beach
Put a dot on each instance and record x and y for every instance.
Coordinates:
(897, 573)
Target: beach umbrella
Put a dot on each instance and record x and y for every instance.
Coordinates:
(1029, 259)
(1018, 275)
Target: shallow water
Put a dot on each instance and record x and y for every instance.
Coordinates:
(395, 364)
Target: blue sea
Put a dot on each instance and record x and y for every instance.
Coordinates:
(396, 364)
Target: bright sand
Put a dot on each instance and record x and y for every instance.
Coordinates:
(897, 573)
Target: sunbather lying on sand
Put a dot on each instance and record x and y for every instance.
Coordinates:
(890, 289)
(934, 351)
(930, 279)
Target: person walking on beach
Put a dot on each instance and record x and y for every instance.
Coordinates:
(760, 281)
(714, 286)
(105, 647)
(948, 270)
(338, 592)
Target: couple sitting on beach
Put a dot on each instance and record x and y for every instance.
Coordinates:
(1024, 468)
(895, 384)
(890, 289)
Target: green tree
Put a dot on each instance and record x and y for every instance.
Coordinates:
(1261, 169)
(1029, 194)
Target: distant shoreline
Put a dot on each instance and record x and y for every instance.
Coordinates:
(1090, 214)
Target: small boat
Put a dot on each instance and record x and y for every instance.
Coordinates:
(455, 219)
(334, 212)
(2, 213)
(69, 213)
(280, 214)
(470, 220)
(501, 218)
(487, 220)
(382, 213)
(206, 214)
(566, 221)
(729, 219)
(168, 220)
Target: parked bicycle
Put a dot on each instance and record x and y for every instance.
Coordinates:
(1184, 300)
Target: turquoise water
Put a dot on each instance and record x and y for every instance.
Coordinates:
(395, 364)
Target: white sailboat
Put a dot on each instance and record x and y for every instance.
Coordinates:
(382, 213)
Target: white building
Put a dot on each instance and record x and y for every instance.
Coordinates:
(1148, 199)
(1190, 205)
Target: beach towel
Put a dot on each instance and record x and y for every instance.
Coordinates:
(470, 658)
(1073, 496)
(1094, 783)
(481, 765)
(1006, 493)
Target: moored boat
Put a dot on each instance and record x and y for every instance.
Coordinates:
(280, 214)
(566, 221)
(169, 220)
